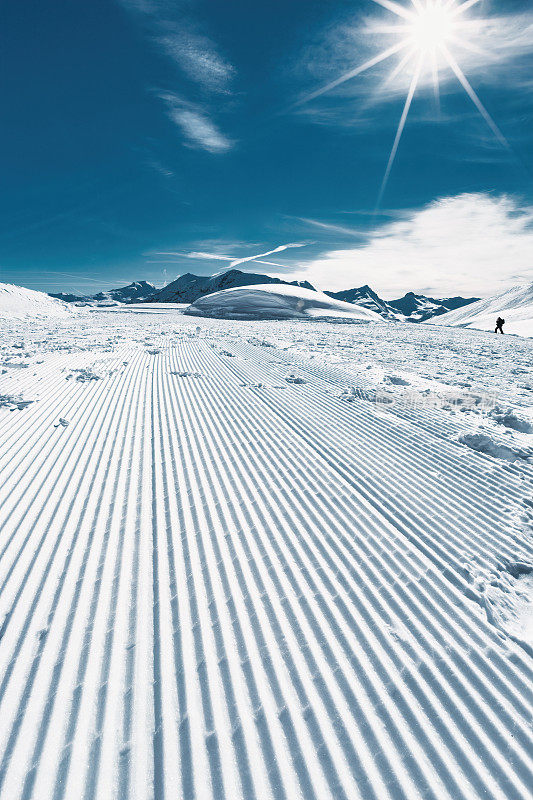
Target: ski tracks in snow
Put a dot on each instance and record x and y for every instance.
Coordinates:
(216, 583)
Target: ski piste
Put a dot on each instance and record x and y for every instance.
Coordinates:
(235, 564)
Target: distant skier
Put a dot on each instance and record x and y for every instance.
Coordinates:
(499, 325)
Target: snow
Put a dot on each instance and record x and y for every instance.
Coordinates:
(514, 305)
(18, 302)
(276, 302)
(261, 560)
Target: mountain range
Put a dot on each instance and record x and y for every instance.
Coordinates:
(412, 307)
(188, 288)
(136, 292)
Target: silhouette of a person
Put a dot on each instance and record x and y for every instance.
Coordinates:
(499, 325)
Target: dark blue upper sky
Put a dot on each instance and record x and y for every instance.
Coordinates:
(140, 137)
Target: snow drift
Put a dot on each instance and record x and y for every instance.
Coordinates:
(514, 305)
(17, 302)
(276, 301)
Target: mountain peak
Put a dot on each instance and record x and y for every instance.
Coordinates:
(188, 288)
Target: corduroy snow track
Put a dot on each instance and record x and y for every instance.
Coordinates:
(217, 582)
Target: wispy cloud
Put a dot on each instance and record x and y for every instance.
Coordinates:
(159, 167)
(330, 227)
(194, 122)
(470, 244)
(196, 55)
(174, 29)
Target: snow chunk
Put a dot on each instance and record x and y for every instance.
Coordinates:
(395, 380)
(13, 402)
(85, 375)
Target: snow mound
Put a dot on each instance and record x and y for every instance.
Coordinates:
(17, 302)
(276, 301)
(515, 306)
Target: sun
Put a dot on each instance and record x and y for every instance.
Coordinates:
(431, 27)
(427, 36)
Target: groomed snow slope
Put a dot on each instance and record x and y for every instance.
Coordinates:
(272, 301)
(16, 302)
(515, 306)
(220, 580)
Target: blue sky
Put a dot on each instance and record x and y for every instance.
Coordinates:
(142, 139)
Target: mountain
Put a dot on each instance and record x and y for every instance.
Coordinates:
(188, 288)
(135, 292)
(277, 301)
(418, 307)
(366, 297)
(514, 305)
(411, 307)
(67, 298)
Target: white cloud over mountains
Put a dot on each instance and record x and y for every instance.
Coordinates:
(470, 245)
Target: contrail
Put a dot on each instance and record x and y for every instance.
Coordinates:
(279, 249)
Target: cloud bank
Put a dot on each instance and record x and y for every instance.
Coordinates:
(470, 244)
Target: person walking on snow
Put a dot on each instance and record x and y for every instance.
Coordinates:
(499, 325)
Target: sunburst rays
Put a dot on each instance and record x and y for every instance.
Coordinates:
(427, 31)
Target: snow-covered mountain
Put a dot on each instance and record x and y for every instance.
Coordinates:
(188, 288)
(281, 301)
(418, 307)
(514, 305)
(366, 297)
(68, 297)
(135, 292)
(17, 302)
(412, 307)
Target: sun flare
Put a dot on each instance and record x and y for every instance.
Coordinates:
(426, 38)
(431, 27)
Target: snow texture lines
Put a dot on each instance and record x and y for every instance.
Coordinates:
(218, 584)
